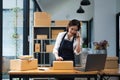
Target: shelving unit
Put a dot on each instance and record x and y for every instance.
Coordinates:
(44, 40)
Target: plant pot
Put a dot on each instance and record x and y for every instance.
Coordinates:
(102, 51)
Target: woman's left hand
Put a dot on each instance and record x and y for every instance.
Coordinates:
(78, 35)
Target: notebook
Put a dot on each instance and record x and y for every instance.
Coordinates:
(94, 62)
(62, 65)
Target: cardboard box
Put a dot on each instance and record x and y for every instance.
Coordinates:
(41, 36)
(61, 23)
(49, 48)
(37, 47)
(54, 36)
(41, 15)
(111, 63)
(21, 65)
(55, 32)
(42, 23)
(42, 19)
(62, 65)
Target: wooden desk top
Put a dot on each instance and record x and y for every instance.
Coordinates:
(49, 70)
(110, 71)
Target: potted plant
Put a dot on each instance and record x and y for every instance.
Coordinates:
(101, 47)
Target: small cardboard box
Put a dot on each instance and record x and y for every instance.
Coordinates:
(55, 32)
(62, 65)
(49, 48)
(41, 36)
(111, 63)
(61, 23)
(37, 47)
(42, 23)
(39, 15)
(21, 65)
(54, 36)
(42, 19)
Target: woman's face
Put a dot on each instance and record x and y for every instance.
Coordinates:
(72, 30)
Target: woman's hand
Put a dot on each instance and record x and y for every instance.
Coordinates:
(59, 58)
(78, 47)
(78, 35)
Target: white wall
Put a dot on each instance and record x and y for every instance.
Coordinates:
(118, 5)
(104, 23)
(66, 9)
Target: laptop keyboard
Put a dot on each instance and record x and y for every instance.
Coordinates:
(80, 69)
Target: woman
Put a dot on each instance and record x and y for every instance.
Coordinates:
(68, 43)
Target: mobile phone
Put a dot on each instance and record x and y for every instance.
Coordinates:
(75, 35)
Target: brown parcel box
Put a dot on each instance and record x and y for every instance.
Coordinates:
(42, 36)
(61, 23)
(111, 63)
(42, 19)
(49, 48)
(63, 65)
(37, 47)
(55, 33)
(18, 64)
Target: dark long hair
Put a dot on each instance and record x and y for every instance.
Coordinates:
(74, 22)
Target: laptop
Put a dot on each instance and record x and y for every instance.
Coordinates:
(94, 62)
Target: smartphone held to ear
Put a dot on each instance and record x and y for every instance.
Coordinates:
(77, 35)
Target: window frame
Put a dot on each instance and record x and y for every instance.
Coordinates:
(117, 36)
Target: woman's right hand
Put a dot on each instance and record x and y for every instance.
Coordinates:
(59, 58)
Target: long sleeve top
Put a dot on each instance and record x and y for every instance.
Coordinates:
(59, 39)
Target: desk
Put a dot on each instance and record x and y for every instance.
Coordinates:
(109, 73)
(52, 73)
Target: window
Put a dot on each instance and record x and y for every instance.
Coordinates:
(118, 35)
(12, 32)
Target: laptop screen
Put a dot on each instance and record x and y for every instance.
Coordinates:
(95, 62)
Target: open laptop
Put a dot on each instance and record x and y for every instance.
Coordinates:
(94, 62)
